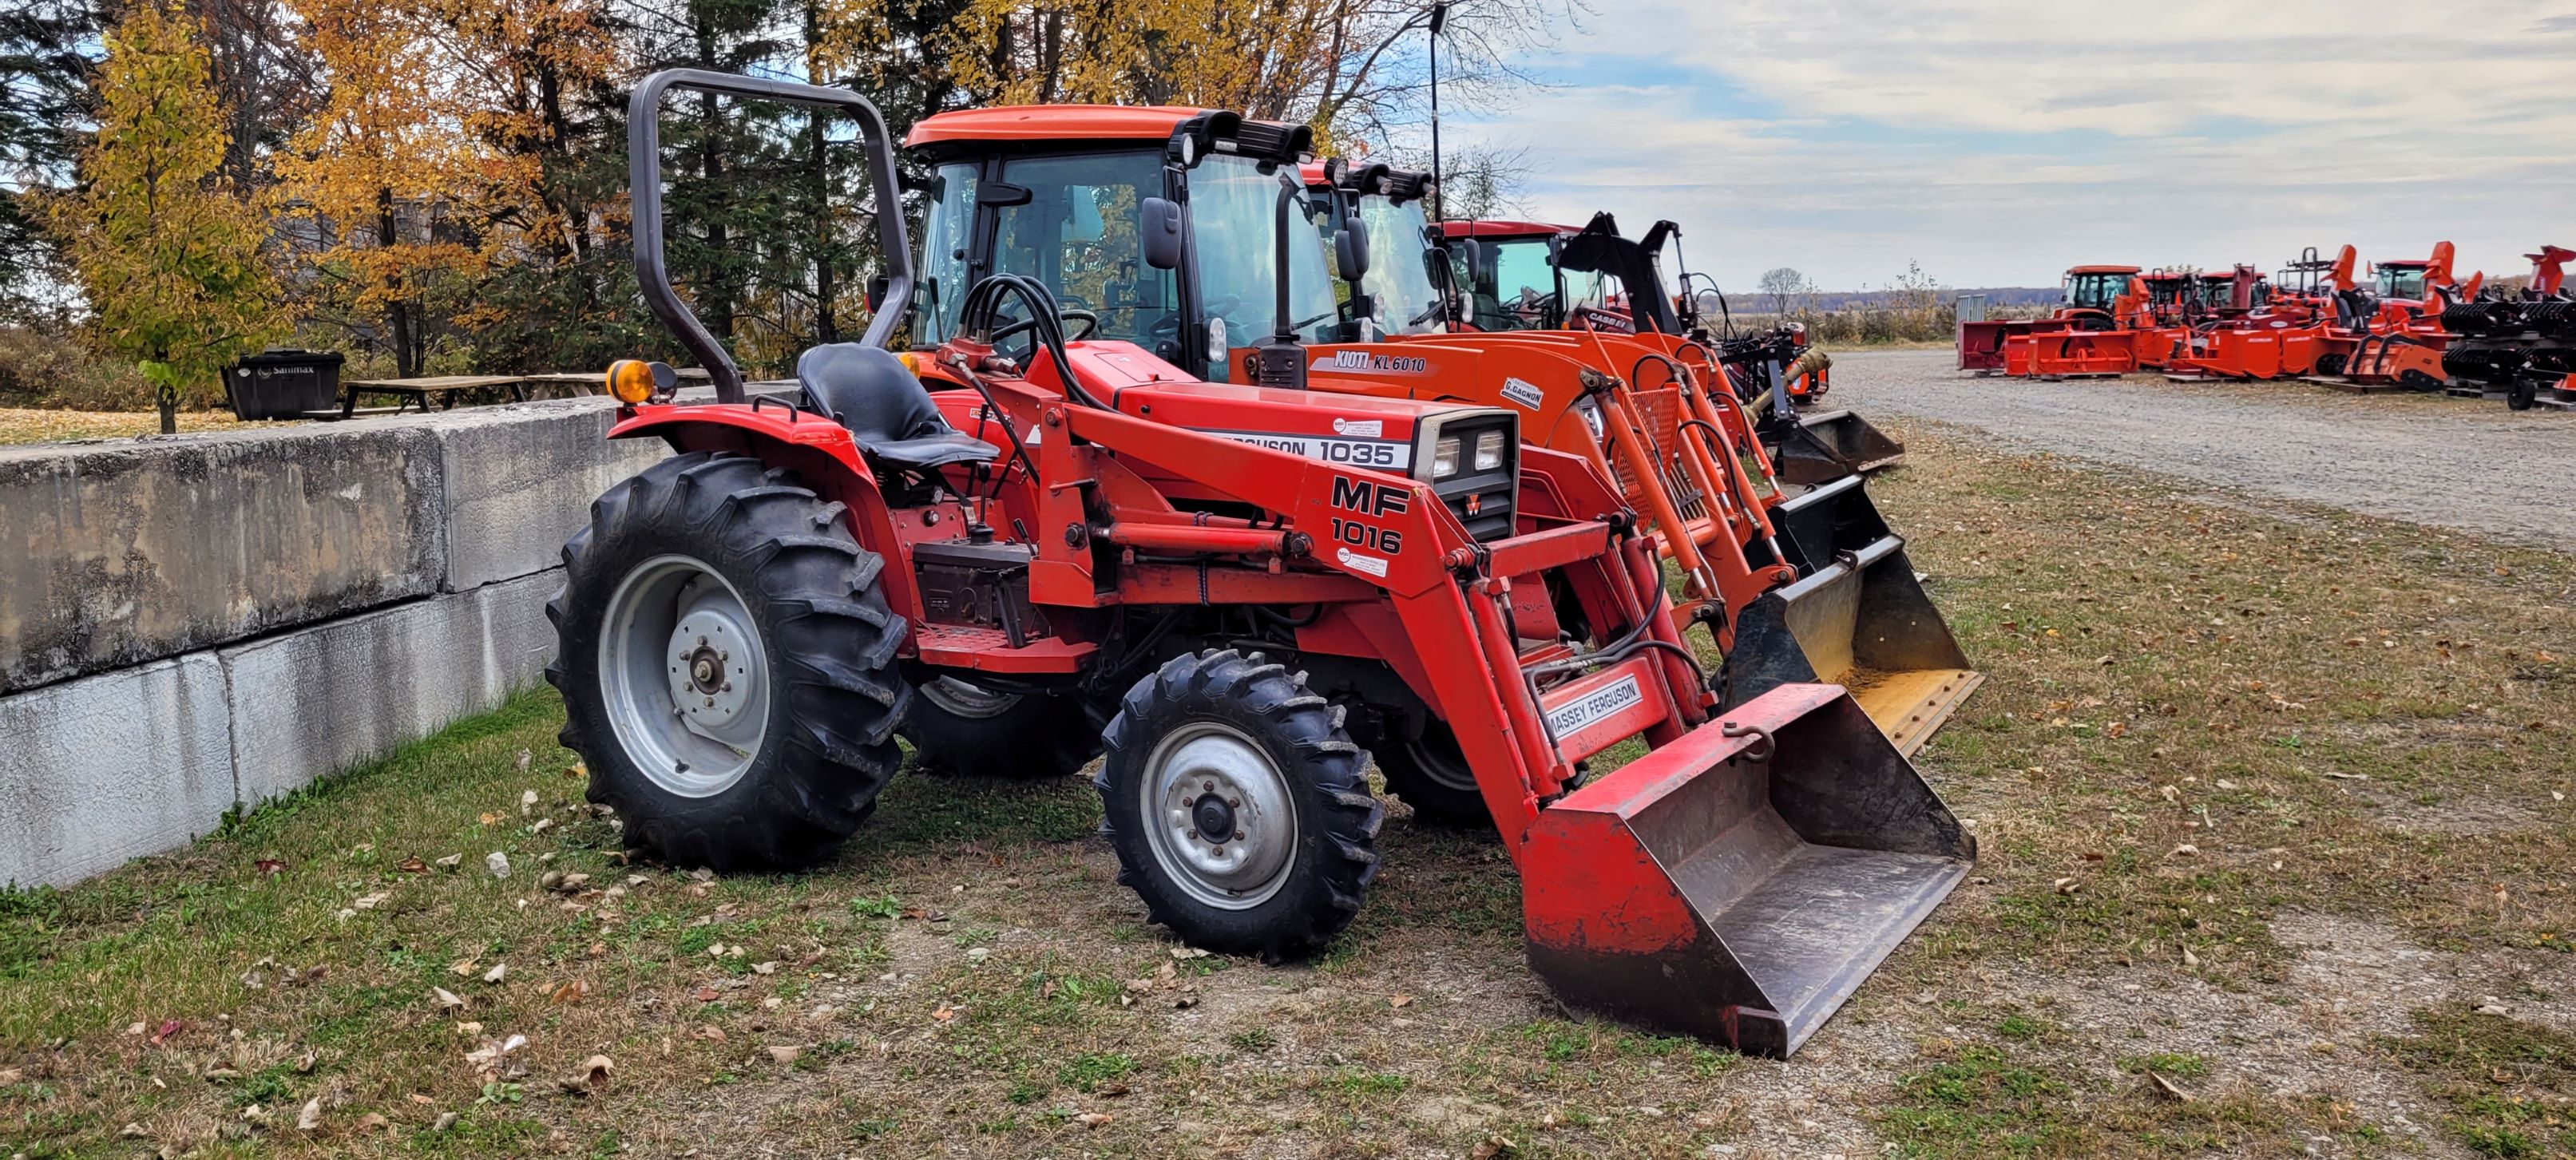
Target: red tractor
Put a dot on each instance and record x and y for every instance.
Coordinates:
(2390, 337)
(1078, 530)
(2106, 325)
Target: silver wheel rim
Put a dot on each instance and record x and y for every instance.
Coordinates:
(685, 676)
(1219, 816)
(959, 699)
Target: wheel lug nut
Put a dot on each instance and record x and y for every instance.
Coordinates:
(1234, 802)
(1238, 835)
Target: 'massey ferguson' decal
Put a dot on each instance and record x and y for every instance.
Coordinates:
(1384, 454)
(1573, 715)
(1523, 392)
(1360, 360)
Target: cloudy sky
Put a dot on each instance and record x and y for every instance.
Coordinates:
(1999, 141)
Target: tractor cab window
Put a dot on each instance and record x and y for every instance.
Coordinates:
(947, 233)
(2094, 291)
(1398, 274)
(2401, 281)
(1518, 289)
(1233, 226)
(1076, 235)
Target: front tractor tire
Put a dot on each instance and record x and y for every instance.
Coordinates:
(727, 664)
(1237, 806)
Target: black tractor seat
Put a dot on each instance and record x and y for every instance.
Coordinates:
(889, 415)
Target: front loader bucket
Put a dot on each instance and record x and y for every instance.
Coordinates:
(1829, 445)
(1739, 888)
(1856, 617)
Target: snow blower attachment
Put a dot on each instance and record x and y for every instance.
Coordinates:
(1739, 884)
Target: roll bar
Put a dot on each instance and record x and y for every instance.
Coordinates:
(644, 183)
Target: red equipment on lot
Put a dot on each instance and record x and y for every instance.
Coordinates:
(2105, 326)
(2520, 347)
(744, 624)
(2393, 338)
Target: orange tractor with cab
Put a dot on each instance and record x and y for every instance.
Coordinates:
(1080, 529)
(2106, 325)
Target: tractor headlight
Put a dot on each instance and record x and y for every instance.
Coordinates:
(1489, 451)
(1444, 457)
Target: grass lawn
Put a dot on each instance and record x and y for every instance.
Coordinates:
(2276, 857)
(51, 425)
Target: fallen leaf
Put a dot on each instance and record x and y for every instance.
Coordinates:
(572, 992)
(450, 862)
(445, 1121)
(2068, 886)
(770, 968)
(2170, 1090)
(498, 863)
(497, 973)
(463, 967)
(595, 1069)
(132, 1131)
(412, 865)
(1399, 1000)
(311, 1117)
(1188, 953)
(163, 1033)
(1093, 1119)
(711, 1033)
(527, 801)
(785, 1055)
(944, 1013)
(708, 994)
(372, 1121)
(269, 866)
(2190, 961)
(447, 1000)
(2185, 850)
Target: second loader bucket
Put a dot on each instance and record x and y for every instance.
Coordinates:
(1856, 617)
(1741, 882)
(1829, 445)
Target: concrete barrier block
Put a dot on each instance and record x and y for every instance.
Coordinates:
(520, 480)
(106, 768)
(318, 700)
(137, 550)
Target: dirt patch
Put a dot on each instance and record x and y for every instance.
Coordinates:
(2433, 460)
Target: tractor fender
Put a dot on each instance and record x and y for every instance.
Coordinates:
(817, 449)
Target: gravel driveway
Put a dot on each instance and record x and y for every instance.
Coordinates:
(2469, 465)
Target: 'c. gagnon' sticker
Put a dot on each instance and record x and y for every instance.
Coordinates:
(1373, 565)
(1523, 392)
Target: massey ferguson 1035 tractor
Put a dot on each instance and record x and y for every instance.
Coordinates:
(1239, 580)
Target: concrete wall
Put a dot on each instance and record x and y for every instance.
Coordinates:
(192, 623)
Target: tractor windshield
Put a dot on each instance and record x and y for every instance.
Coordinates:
(947, 230)
(1233, 226)
(2094, 291)
(1077, 235)
(1519, 284)
(2401, 281)
(1399, 274)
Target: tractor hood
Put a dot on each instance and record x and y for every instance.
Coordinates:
(1391, 435)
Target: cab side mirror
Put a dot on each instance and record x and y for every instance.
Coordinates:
(1351, 251)
(1158, 237)
(877, 293)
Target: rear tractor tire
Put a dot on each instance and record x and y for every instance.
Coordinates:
(1235, 801)
(727, 664)
(965, 729)
(1430, 774)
